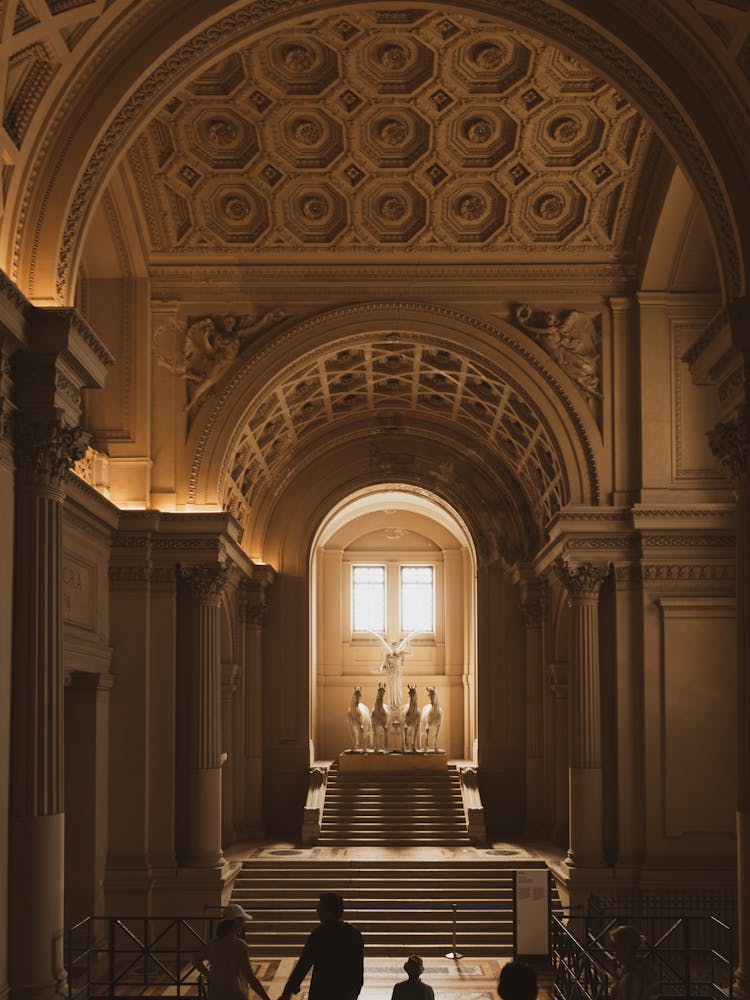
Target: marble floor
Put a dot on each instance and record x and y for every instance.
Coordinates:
(467, 979)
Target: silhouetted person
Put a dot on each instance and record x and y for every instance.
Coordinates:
(517, 982)
(225, 960)
(413, 988)
(635, 980)
(335, 952)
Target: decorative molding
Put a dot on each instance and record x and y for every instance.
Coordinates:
(682, 571)
(130, 574)
(688, 541)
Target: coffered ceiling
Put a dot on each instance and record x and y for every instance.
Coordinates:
(377, 133)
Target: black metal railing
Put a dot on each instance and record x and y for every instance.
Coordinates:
(685, 957)
(577, 974)
(128, 956)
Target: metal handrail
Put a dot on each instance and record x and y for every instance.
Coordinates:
(113, 957)
(690, 956)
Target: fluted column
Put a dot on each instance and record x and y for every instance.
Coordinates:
(583, 584)
(533, 614)
(229, 677)
(201, 721)
(44, 451)
(730, 442)
(255, 603)
(558, 673)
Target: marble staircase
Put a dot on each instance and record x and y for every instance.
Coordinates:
(393, 810)
(400, 906)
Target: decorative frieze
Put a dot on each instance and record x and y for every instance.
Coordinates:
(681, 571)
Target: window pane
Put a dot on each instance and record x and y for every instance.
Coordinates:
(368, 598)
(417, 598)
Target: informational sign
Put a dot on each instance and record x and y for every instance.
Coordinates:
(532, 911)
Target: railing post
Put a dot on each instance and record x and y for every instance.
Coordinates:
(179, 958)
(688, 977)
(112, 930)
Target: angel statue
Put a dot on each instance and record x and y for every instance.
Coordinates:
(393, 665)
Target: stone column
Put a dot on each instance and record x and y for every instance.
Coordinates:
(201, 717)
(558, 673)
(533, 614)
(730, 442)
(44, 451)
(583, 583)
(255, 605)
(229, 677)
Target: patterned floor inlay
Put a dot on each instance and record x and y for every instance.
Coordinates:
(471, 979)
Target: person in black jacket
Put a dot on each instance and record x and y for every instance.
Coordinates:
(335, 952)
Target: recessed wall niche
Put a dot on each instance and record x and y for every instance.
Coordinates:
(392, 529)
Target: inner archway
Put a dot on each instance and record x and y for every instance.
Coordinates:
(388, 532)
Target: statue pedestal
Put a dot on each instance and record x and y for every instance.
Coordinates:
(372, 762)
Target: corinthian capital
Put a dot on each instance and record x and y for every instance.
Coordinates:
(729, 441)
(45, 451)
(205, 582)
(582, 581)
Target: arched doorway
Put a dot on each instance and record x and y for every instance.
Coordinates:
(390, 531)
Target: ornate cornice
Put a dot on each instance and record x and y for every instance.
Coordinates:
(582, 582)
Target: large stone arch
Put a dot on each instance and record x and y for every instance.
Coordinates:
(641, 48)
(501, 403)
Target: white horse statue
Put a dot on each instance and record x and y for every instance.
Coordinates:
(410, 721)
(432, 719)
(358, 718)
(381, 720)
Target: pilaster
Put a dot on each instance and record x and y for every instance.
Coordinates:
(230, 673)
(60, 358)
(583, 582)
(255, 605)
(200, 714)
(87, 697)
(558, 678)
(730, 442)
(533, 608)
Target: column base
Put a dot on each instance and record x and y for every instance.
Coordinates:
(36, 968)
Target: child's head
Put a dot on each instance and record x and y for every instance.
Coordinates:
(517, 982)
(414, 967)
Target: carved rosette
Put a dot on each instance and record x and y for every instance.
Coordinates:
(729, 441)
(204, 582)
(45, 452)
(583, 582)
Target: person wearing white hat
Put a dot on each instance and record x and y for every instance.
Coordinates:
(225, 960)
